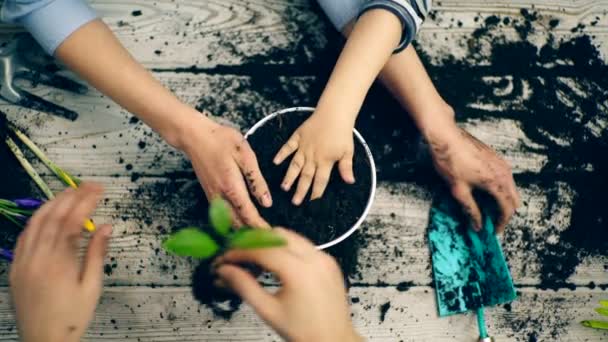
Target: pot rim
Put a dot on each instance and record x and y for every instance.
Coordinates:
(370, 158)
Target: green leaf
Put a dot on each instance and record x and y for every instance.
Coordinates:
(604, 303)
(602, 311)
(595, 324)
(256, 238)
(191, 242)
(219, 216)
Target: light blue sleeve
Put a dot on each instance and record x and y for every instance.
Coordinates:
(50, 22)
(341, 12)
(411, 13)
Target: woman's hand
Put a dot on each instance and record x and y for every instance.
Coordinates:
(54, 294)
(226, 167)
(467, 164)
(322, 140)
(311, 304)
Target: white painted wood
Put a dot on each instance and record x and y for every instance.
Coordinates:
(170, 314)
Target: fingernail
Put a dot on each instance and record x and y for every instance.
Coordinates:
(284, 187)
(266, 200)
(296, 201)
(275, 161)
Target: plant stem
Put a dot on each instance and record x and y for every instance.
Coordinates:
(64, 176)
(29, 168)
(10, 218)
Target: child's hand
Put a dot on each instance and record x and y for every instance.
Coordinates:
(311, 304)
(318, 143)
(54, 294)
(466, 164)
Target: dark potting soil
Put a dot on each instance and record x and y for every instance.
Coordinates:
(15, 184)
(320, 220)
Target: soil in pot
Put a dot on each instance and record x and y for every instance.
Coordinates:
(321, 220)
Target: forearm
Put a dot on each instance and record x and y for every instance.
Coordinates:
(406, 78)
(369, 46)
(95, 54)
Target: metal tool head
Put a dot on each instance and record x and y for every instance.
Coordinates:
(469, 268)
(17, 61)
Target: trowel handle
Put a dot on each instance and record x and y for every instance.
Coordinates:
(481, 324)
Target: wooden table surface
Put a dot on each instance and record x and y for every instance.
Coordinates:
(242, 59)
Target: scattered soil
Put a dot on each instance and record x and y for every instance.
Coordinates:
(383, 310)
(320, 220)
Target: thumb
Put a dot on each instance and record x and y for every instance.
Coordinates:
(247, 287)
(92, 272)
(345, 166)
(463, 194)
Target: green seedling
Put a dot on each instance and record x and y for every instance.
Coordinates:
(603, 310)
(194, 242)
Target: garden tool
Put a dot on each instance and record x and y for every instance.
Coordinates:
(469, 268)
(16, 64)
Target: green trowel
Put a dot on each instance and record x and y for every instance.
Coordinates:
(469, 268)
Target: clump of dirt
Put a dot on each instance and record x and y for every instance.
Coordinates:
(321, 220)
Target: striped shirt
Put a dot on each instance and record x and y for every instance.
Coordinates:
(411, 13)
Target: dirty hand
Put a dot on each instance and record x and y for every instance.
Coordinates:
(311, 303)
(467, 164)
(318, 143)
(226, 166)
(54, 294)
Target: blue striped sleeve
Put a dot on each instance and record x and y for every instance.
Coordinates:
(50, 22)
(411, 13)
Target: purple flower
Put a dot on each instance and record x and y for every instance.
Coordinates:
(6, 254)
(28, 203)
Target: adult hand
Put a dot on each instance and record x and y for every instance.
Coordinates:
(226, 166)
(311, 303)
(54, 294)
(322, 140)
(467, 164)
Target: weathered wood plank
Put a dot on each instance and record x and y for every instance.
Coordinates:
(170, 314)
(104, 139)
(394, 248)
(205, 34)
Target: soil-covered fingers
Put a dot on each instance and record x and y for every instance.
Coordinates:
(251, 170)
(293, 171)
(244, 211)
(507, 208)
(247, 287)
(464, 195)
(288, 149)
(304, 182)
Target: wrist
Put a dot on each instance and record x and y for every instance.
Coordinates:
(186, 123)
(437, 122)
(332, 108)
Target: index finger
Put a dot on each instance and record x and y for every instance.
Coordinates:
(243, 208)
